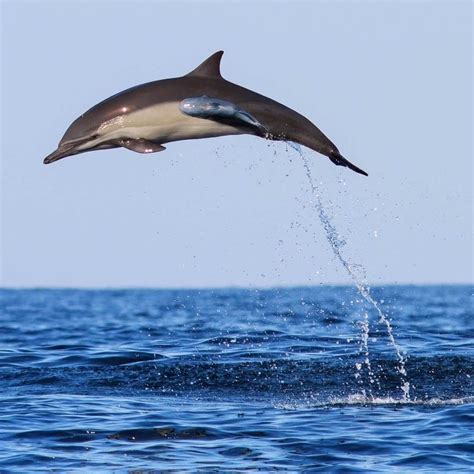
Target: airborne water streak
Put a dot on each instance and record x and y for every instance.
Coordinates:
(336, 243)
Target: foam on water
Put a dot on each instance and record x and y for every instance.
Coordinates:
(361, 399)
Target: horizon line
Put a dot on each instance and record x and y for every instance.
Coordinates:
(228, 287)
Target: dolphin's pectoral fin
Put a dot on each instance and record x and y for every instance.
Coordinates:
(140, 145)
(221, 111)
(339, 160)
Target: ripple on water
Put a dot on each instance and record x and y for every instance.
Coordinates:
(245, 379)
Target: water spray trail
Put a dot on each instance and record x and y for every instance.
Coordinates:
(336, 243)
(364, 349)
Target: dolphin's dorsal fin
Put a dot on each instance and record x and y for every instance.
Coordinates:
(211, 67)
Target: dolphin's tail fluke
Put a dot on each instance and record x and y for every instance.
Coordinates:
(339, 160)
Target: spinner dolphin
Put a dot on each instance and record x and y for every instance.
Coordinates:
(201, 104)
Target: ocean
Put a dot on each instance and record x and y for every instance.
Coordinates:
(312, 379)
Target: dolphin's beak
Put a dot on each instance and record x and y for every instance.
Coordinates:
(61, 152)
(67, 149)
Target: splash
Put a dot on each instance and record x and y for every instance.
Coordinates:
(357, 274)
(364, 350)
(361, 399)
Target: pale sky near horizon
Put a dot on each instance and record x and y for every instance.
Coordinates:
(389, 82)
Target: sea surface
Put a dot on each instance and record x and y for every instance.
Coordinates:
(229, 380)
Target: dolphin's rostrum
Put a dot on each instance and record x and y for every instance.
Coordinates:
(200, 104)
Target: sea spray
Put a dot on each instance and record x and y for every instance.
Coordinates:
(364, 350)
(357, 274)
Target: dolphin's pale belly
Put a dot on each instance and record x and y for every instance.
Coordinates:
(164, 123)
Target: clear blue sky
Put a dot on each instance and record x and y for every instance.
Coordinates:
(389, 82)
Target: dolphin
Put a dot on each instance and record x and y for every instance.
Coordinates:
(200, 104)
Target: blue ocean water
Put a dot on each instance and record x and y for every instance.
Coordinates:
(290, 379)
